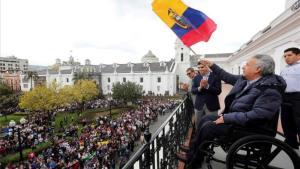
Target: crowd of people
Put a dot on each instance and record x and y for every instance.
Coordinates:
(104, 143)
(32, 133)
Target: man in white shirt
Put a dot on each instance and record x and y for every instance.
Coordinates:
(290, 110)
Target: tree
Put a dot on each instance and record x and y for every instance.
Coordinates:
(8, 103)
(85, 90)
(31, 75)
(7, 99)
(127, 91)
(5, 90)
(67, 95)
(39, 99)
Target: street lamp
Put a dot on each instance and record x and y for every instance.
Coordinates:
(23, 120)
(12, 124)
(109, 100)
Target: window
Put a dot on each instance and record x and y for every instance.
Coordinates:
(67, 80)
(158, 88)
(108, 87)
(124, 79)
(158, 79)
(25, 85)
(181, 57)
(141, 80)
(108, 80)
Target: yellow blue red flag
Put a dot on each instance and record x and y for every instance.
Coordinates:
(189, 24)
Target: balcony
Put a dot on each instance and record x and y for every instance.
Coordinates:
(160, 148)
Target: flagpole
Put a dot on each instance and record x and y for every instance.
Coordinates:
(193, 51)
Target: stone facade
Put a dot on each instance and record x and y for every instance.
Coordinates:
(12, 80)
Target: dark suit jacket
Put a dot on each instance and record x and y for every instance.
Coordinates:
(207, 96)
(254, 106)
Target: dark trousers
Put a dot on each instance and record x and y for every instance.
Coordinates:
(207, 131)
(290, 118)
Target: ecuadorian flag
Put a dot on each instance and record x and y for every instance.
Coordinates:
(190, 25)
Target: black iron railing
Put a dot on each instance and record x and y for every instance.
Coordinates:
(159, 150)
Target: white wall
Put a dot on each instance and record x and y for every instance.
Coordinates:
(150, 82)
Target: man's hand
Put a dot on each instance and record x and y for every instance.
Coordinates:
(203, 83)
(220, 120)
(206, 62)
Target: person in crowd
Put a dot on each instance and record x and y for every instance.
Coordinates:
(255, 98)
(207, 87)
(290, 110)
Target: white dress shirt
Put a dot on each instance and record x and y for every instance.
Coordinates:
(291, 74)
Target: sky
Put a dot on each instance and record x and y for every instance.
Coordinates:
(119, 31)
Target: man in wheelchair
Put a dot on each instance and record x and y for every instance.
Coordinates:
(252, 103)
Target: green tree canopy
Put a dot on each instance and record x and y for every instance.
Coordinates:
(67, 95)
(8, 101)
(127, 91)
(85, 90)
(40, 98)
(5, 90)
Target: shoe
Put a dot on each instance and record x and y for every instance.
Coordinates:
(182, 157)
(184, 148)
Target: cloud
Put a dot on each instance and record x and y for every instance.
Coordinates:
(110, 31)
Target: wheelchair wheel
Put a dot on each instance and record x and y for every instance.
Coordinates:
(261, 152)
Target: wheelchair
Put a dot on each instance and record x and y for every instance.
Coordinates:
(252, 149)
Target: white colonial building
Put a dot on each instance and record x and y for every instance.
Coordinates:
(46, 77)
(155, 77)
